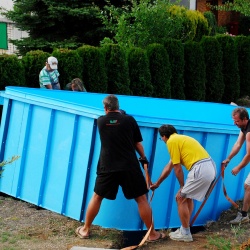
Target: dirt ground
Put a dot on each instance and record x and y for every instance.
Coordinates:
(23, 226)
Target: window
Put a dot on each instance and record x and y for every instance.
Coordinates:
(3, 36)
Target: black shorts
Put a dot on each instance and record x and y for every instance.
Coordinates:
(133, 184)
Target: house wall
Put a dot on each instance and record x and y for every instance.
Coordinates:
(224, 18)
(12, 33)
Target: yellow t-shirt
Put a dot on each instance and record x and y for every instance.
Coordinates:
(185, 150)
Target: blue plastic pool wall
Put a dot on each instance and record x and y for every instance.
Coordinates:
(57, 138)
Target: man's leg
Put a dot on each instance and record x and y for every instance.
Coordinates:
(146, 216)
(92, 211)
(185, 208)
(246, 201)
(242, 216)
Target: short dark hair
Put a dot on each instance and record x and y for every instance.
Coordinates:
(242, 113)
(111, 102)
(167, 130)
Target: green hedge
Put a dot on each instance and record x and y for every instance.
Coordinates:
(33, 63)
(213, 60)
(69, 65)
(195, 74)
(229, 68)
(160, 70)
(243, 48)
(117, 69)
(175, 49)
(173, 70)
(93, 71)
(11, 71)
(139, 73)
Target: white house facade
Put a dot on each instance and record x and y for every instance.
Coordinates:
(8, 31)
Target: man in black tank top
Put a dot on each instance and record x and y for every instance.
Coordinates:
(241, 120)
(118, 166)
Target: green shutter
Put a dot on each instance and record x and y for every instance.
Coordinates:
(3, 36)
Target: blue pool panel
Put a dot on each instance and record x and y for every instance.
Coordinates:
(56, 137)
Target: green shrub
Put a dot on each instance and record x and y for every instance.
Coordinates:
(175, 50)
(243, 48)
(33, 63)
(11, 71)
(93, 71)
(69, 65)
(200, 24)
(194, 24)
(214, 78)
(212, 23)
(230, 68)
(117, 69)
(194, 73)
(160, 70)
(139, 73)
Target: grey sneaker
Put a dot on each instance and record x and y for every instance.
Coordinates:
(240, 219)
(181, 237)
(175, 232)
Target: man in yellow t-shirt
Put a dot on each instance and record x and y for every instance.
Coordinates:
(185, 150)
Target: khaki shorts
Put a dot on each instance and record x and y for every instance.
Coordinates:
(247, 181)
(199, 179)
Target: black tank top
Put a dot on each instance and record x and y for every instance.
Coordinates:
(247, 129)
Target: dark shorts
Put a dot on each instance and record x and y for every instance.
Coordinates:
(133, 184)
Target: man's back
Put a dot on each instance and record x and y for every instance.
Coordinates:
(189, 150)
(118, 133)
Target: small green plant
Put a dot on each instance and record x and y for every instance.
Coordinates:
(4, 163)
(237, 230)
(5, 236)
(220, 242)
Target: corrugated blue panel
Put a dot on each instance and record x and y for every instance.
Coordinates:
(56, 136)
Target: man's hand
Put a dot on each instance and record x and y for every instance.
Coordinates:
(143, 161)
(235, 171)
(154, 186)
(226, 162)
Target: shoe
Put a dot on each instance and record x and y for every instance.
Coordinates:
(181, 237)
(240, 219)
(175, 232)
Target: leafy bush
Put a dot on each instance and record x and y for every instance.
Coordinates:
(200, 24)
(175, 50)
(160, 70)
(230, 68)
(194, 24)
(195, 73)
(139, 73)
(69, 65)
(93, 71)
(145, 23)
(214, 78)
(11, 71)
(33, 63)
